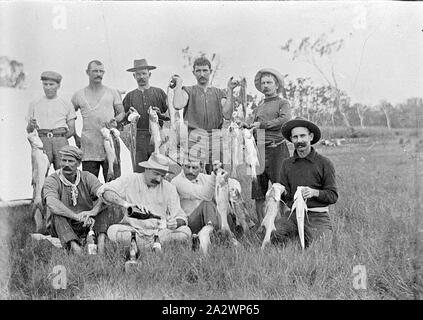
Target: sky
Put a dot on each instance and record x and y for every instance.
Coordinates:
(382, 57)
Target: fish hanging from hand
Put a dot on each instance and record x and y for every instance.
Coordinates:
(300, 208)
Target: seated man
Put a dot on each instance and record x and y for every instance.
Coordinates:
(196, 191)
(72, 205)
(308, 169)
(149, 192)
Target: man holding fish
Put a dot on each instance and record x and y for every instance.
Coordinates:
(100, 107)
(140, 100)
(149, 192)
(205, 108)
(270, 115)
(53, 117)
(314, 176)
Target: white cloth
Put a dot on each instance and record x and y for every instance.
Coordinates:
(192, 193)
(73, 186)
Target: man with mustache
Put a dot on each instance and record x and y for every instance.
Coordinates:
(100, 106)
(149, 192)
(270, 115)
(72, 204)
(141, 99)
(314, 172)
(205, 108)
(53, 117)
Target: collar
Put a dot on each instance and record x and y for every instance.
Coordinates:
(310, 157)
(271, 98)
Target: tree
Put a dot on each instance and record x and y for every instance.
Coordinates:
(386, 107)
(320, 54)
(361, 110)
(189, 58)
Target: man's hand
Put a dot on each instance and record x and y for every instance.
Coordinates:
(255, 125)
(243, 124)
(171, 223)
(111, 124)
(217, 165)
(86, 214)
(308, 192)
(32, 124)
(232, 84)
(178, 81)
(161, 115)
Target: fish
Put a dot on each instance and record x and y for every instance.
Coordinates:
(204, 237)
(237, 206)
(251, 153)
(109, 147)
(235, 147)
(156, 139)
(272, 210)
(40, 168)
(133, 118)
(300, 208)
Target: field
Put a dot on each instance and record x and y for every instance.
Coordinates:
(374, 225)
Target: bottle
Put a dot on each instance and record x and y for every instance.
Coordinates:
(91, 245)
(195, 242)
(157, 247)
(135, 212)
(133, 249)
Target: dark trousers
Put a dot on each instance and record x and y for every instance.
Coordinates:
(94, 168)
(144, 148)
(316, 224)
(205, 212)
(51, 147)
(273, 158)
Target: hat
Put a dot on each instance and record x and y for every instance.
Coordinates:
(279, 77)
(51, 75)
(71, 151)
(301, 122)
(141, 64)
(156, 161)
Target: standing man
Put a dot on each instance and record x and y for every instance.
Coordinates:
(141, 99)
(315, 173)
(53, 117)
(72, 204)
(100, 106)
(270, 115)
(205, 108)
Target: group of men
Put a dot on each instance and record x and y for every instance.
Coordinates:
(76, 200)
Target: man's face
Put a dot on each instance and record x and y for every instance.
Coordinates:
(69, 165)
(153, 177)
(95, 72)
(268, 85)
(142, 77)
(191, 169)
(202, 74)
(50, 88)
(301, 138)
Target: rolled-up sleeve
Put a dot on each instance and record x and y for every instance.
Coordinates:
(283, 116)
(118, 186)
(50, 189)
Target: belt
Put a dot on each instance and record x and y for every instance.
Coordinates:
(273, 144)
(52, 133)
(319, 209)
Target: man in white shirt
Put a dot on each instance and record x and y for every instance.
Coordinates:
(149, 192)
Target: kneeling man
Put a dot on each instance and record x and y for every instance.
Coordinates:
(149, 192)
(72, 204)
(315, 173)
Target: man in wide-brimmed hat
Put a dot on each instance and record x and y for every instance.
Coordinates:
(53, 117)
(100, 106)
(149, 192)
(205, 108)
(140, 100)
(72, 204)
(269, 116)
(312, 171)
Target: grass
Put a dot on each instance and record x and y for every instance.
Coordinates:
(373, 225)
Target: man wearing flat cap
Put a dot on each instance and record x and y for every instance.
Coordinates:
(72, 204)
(100, 107)
(149, 192)
(270, 115)
(53, 117)
(312, 171)
(140, 100)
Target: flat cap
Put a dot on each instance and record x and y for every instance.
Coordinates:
(72, 151)
(51, 75)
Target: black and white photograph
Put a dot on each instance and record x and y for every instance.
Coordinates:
(224, 152)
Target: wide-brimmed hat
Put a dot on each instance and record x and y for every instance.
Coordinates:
(140, 64)
(279, 77)
(301, 122)
(51, 75)
(157, 161)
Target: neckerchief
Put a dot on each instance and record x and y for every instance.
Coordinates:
(73, 186)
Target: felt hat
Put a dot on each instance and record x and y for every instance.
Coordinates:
(301, 122)
(279, 77)
(140, 64)
(157, 161)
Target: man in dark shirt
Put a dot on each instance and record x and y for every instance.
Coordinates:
(269, 116)
(141, 99)
(315, 173)
(205, 108)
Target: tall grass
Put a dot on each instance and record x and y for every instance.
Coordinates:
(372, 226)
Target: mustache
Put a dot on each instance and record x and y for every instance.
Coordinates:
(66, 169)
(300, 144)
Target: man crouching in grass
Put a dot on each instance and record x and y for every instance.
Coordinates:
(72, 203)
